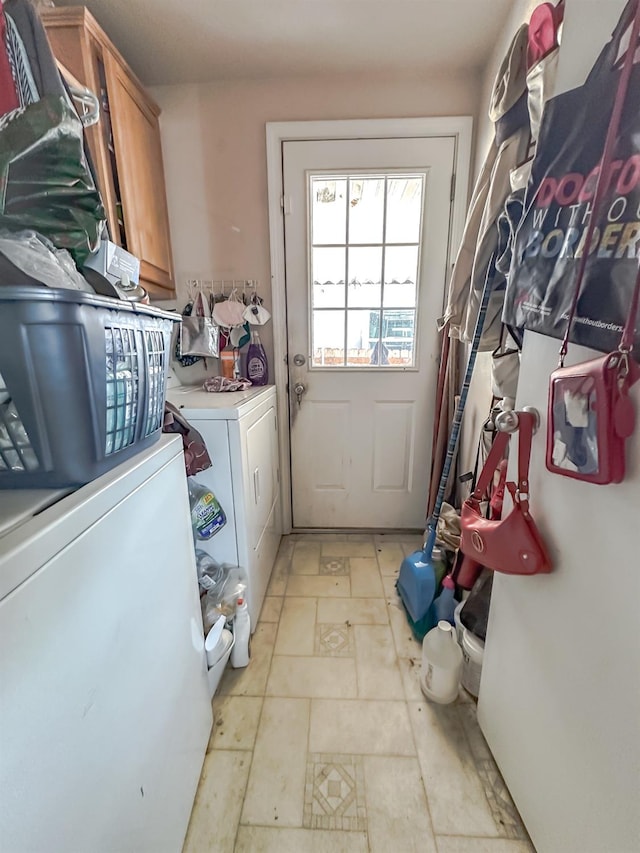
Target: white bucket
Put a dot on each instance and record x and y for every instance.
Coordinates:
(458, 623)
(472, 654)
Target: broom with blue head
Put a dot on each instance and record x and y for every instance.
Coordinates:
(416, 582)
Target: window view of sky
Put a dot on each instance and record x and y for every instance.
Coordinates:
(365, 237)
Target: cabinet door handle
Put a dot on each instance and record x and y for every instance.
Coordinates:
(256, 484)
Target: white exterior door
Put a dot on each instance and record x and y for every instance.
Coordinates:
(366, 234)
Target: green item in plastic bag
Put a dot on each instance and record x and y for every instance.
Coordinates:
(45, 182)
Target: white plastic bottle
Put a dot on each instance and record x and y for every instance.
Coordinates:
(441, 664)
(241, 652)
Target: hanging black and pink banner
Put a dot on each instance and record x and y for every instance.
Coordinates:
(552, 235)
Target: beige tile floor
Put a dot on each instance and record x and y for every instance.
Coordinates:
(325, 741)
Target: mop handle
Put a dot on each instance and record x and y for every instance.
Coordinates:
(455, 427)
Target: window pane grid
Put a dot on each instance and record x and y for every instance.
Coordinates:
(345, 327)
(377, 354)
(360, 245)
(380, 330)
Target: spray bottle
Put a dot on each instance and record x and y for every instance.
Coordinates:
(257, 367)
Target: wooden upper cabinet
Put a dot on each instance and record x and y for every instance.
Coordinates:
(125, 144)
(139, 157)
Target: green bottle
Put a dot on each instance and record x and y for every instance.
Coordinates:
(207, 516)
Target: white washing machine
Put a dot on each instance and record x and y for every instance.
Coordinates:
(240, 429)
(105, 712)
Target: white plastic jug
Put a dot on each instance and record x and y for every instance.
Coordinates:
(441, 664)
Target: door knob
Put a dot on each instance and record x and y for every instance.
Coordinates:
(299, 390)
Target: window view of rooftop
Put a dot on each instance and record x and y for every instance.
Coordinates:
(364, 267)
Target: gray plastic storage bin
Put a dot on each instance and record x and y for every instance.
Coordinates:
(82, 384)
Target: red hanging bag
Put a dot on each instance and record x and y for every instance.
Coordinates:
(512, 545)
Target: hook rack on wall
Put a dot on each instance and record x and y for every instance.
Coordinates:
(223, 286)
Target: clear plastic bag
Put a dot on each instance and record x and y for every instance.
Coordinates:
(210, 572)
(575, 407)
(222, 596)
(39, 259)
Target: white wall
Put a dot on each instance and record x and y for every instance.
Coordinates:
(560, 695)
(213, 139)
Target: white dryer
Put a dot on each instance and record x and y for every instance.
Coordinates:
(240, 429)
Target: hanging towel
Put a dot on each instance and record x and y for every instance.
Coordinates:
(509, 113)
(196, 455)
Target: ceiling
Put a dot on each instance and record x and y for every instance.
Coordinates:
(189, 41)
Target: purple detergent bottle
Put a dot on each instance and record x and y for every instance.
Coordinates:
(257, 367)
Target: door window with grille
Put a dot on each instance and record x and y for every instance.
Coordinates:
(365, 237)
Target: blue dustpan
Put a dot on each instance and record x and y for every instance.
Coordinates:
(416, 582)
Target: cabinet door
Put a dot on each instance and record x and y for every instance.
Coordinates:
(261, 465)
(105, 154)
(141, 176)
